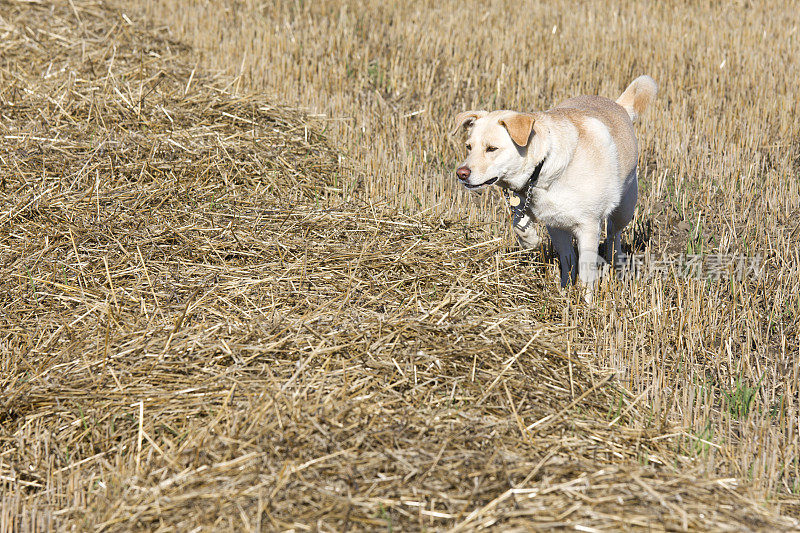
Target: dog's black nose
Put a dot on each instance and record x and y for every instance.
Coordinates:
(463, 173)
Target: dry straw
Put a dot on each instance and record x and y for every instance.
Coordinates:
(210, 322)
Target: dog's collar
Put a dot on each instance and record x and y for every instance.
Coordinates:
(518, 201)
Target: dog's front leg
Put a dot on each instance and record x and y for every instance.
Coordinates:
(588, 238)
(567, 259)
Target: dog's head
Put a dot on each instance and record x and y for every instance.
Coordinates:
(497, 147)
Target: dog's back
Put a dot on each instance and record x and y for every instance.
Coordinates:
(617, 116)
(613, 116)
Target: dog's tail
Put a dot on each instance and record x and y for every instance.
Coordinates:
(638, 96)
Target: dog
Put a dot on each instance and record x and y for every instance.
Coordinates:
(572, 168)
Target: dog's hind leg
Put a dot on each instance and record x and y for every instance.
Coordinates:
(619, 219)
(612, 246)
(567, 258)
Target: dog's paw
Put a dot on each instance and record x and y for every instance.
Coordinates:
(528, 238)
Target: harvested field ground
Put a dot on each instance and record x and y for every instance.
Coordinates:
(240, 290)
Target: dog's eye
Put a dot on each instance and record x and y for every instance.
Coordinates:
(491, 148)
(469, 147)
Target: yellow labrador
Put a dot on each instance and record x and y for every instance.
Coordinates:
(572, 167)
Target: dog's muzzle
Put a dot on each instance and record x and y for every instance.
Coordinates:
(486, 183)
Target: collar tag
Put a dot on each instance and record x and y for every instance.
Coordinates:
(518, 205)
(518, 200)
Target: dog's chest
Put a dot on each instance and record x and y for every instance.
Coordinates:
(556, 208)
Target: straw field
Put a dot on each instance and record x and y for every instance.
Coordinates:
(241, 290)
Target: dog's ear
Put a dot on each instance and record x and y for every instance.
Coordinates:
(466, 119)
(519, 126)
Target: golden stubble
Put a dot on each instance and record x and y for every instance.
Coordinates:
(718, 163)
(226, 313)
